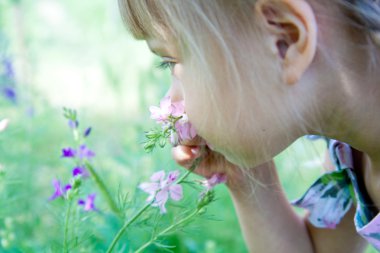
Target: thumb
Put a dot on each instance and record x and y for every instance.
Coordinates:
(185, 155)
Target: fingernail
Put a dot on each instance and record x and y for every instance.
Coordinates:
(195, 150)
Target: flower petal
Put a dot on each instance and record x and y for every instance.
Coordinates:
(158, 176)
(173, 175)
(176, 192)
(149, 187)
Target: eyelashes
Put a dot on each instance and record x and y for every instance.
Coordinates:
(166, 65)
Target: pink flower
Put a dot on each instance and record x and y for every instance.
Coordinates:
(161, 188)
(218, 178)
(3, 124)
(178, 108)
(162, 113)
(172, 116)
(185, 129)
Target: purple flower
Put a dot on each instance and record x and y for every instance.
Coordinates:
(80, 171)
(10, 94)
(73, 124)
(59, 191)
(85, 153)
(218, 178)
(68, 152)
(87, 132)
(161, 188)
(88, 204)
(185, 129)
(8, 68)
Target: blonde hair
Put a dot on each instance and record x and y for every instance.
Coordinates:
(214, 38)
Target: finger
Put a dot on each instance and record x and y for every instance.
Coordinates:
(196, 141)
(185, 155)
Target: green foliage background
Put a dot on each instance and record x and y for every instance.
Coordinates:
(78, 54)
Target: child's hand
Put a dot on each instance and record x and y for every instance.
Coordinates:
(212, 162)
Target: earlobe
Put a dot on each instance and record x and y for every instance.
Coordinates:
(292, 32)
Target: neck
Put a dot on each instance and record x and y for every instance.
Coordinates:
(352, 109)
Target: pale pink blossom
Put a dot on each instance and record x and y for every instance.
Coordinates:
(218, 178)
(162, 113)
(171, 115)
(185, 129)
(161, 188)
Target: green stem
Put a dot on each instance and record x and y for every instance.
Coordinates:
(103, 189)
(122, 230)
(66, 229)
(125, 226)
(167, 230)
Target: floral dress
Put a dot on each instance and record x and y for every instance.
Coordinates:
(333, 194)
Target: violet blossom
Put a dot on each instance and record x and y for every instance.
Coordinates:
(8, 68)
(10, 93)
(84, 152)
(161, 188)
(89, 203)
(80, 171)
(73, 124)
(59, 191)
(68, 152)
(87, 132)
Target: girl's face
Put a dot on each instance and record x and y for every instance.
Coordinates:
(251, 132)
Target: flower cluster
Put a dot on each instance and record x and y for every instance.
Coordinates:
(175, 125)
(79, 155)
(161, 188)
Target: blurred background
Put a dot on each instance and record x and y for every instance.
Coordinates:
(77, 54)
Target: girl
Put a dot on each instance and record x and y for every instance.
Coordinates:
(256, 75)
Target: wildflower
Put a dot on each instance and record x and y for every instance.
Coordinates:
(85, 153)
(4, 124)
(88, 204)
(10, 94)
(87, 132)
(68, 152)
(80, 171)
(59, 190)
(160, 189)
(162, 113)
(218, 178)
(172, 117)
(73, 124)
(185, 129)
(8, 68)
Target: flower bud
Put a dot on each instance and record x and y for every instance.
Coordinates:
(206, 198)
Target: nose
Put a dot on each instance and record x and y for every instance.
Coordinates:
(175, 91)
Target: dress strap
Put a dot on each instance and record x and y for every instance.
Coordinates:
(333, 194)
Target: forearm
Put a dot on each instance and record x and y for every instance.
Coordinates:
(267, 220)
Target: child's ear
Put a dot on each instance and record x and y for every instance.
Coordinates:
(292, 34)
